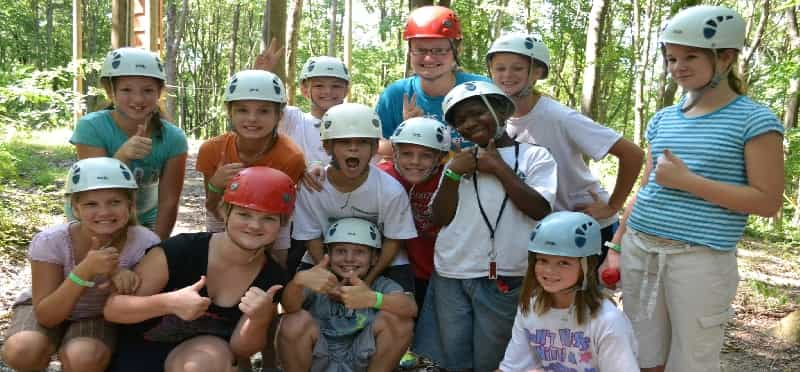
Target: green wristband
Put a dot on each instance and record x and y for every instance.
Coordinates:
(614, 246)
(378, 301)
(77, 280)
(452, 175)
(214, 189)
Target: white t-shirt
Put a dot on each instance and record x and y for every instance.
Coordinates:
(462, 247)
(303, 129)
(380, 199)
(555, 342)
(568, 135)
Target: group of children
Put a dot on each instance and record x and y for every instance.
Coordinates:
(481, 220)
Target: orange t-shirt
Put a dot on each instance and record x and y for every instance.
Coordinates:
(284, 156)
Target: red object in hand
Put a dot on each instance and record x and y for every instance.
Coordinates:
(609, 276)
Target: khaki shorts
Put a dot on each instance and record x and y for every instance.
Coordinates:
(24, 319)
(678, 297)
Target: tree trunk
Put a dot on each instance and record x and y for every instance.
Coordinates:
(790, 115)
(591, 66)
(332, 8)
(176, 22)
(234, 39)
(498, 19)
(750, 50)
(642, 38)
(291, 48)
(277, 29)
(347, 31)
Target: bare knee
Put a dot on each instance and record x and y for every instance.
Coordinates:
(297, 325)
(84, 354)
(397, 327)
(200, 354)
(27, 350)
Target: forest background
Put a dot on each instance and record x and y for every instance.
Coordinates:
(605, 60)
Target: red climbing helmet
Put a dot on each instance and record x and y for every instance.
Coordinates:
(436, 22)
(263, 189)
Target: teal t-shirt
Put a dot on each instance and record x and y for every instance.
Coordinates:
(98, 129)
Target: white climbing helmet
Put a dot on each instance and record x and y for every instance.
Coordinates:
(705, 26)
(99, 173)
(132, 62)
(427, 132)
(350, 120)
(324, 66)
(257, 85)
(481, 89)
(522, 44)
(355, 231)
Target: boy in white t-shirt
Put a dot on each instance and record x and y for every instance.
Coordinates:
(487, 202)
(515, 62)
(352, 187)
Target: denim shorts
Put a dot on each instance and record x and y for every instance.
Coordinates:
(466, 323)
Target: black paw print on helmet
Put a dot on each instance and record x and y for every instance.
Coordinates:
(158, 63)
(125, 173)
(372, 233)
(76, 173)
(277, 85)
(116, 59)
(529, 43)
(470, 86)
(345, 69)
(580, 234)
(440, 133)
(399, 129)
(376, 123)
(311, 66)
(232, 87)
(710, 28)
(327, 124)
(332, 229)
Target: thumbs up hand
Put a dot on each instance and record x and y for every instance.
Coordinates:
(137, 146)
(259, 305)
(671, 171)
(187, 303)
(99, 260)
(489, 160)
(357, 295)
(318, 278)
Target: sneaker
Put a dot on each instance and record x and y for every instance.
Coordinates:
(409, 360)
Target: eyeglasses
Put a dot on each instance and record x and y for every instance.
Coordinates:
(431, 51)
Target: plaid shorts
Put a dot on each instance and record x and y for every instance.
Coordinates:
(24, 319)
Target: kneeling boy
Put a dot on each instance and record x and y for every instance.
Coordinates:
(335, 322)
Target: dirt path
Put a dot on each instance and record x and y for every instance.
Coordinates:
(763, 269)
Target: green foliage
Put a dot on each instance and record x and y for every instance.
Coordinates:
(32, 170)
(768, 294)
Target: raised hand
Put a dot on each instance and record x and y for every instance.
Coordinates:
(410, 108)
(187, 303)
(100, 261)
(259, 305)
(357, 295)
(464, 162)
(224, 172)
(597, 209)
(137, 146)
(671, 171)
(268, 59)
(125, 282)
(489, 160)
(318, 279)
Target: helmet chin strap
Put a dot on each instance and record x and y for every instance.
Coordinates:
(713, 83)
(499, 128)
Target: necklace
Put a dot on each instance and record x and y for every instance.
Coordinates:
(257, 156)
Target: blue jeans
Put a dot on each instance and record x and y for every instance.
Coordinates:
(466, 323)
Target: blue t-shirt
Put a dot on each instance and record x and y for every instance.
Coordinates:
(390, 103)
(712, 146)
(98, 129)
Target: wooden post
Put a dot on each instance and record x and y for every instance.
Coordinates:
(77, 55)
(348, 40)
(120, 24)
